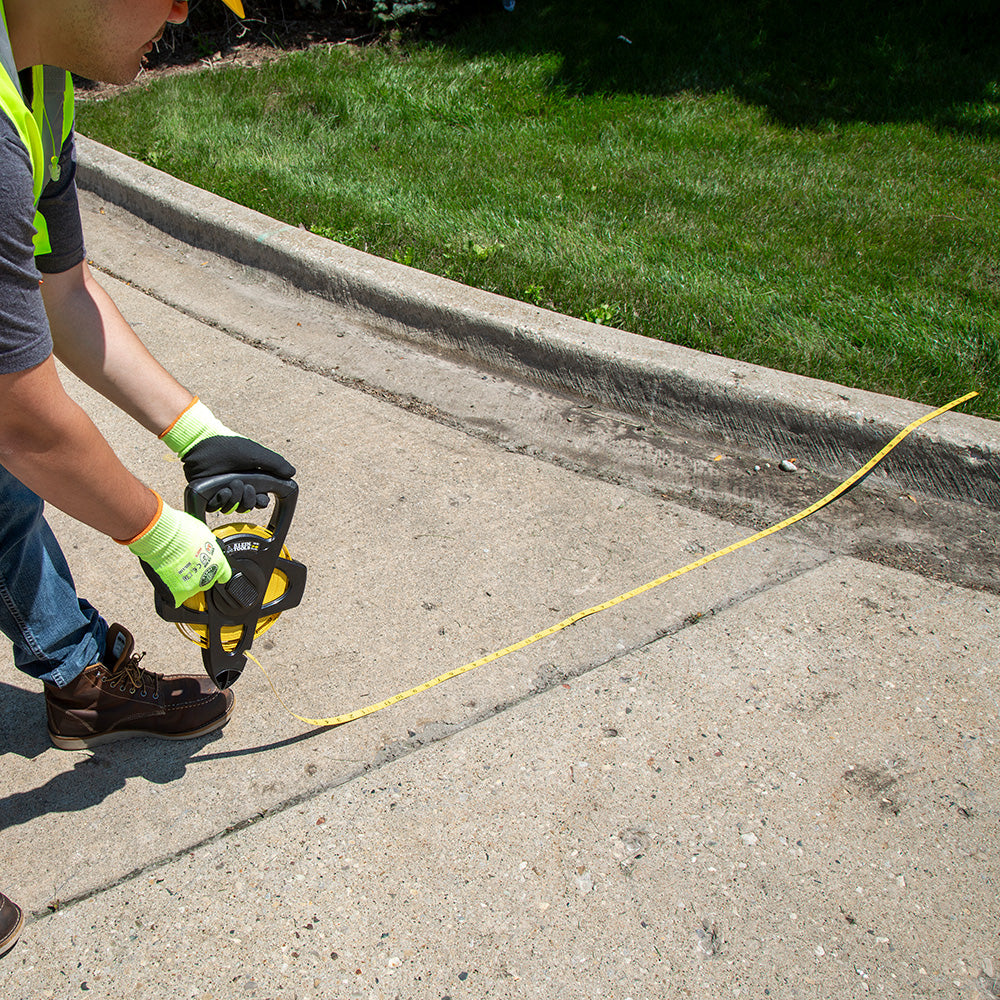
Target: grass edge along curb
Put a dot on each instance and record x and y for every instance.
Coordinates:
(825, 426)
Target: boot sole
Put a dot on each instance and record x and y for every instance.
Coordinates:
(11, 938)
(99, 739)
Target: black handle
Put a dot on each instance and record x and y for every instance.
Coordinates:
(198, 493)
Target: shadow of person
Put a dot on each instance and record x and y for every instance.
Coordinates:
(90, 776)
(22, 722)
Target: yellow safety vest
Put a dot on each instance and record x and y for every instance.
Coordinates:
(44, 127)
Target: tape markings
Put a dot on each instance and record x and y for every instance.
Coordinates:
(360, 713)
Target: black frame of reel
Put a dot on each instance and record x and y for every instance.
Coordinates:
(239, 603)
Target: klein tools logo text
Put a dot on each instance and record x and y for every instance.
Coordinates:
(245, 546)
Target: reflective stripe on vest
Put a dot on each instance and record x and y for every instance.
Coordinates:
(44, 127)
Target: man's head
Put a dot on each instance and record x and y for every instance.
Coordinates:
(103, 40)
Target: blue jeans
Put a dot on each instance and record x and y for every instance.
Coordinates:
(55, 634)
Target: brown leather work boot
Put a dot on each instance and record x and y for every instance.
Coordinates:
(11, 921)
(117, 700)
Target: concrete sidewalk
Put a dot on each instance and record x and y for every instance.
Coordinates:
(775, 776)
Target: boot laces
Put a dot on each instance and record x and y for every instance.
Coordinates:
(127, 673)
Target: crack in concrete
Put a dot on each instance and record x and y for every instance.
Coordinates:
(404, 748)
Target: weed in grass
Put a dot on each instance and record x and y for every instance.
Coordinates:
(605, 314)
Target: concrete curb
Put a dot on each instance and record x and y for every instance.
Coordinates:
(824, 425)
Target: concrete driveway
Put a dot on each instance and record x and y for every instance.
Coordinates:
(775, 776)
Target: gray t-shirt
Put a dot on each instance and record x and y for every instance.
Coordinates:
(25, 340)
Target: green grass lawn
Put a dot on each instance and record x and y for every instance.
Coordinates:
(836, 215)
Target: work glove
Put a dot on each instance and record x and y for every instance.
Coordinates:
(182, 552)
(209, 448)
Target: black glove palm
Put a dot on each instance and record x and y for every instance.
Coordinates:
(222, 454)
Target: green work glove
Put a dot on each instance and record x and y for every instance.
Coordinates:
(183, 553)
(209, 448)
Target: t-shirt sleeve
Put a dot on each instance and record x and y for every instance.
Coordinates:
(25, 340)
(61, 208)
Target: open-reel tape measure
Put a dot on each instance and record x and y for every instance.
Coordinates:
(280, 581)
(266, 581)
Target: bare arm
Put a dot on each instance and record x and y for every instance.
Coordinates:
(92, 338)
(52, 446)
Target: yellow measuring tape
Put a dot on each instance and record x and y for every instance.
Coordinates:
(360, 713)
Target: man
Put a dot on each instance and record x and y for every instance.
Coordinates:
(50, 306)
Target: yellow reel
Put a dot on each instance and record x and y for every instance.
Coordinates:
(276, 587)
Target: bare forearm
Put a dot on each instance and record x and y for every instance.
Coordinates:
(53, 447)
(93, 340)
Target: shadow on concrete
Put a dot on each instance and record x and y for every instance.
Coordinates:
(22, 723)
(264, 747)
(103, 770)
(92, 777)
